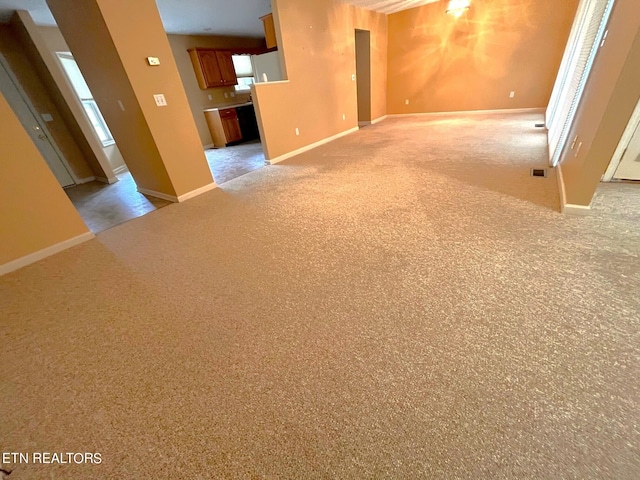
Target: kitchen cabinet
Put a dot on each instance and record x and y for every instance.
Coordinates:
(269, 31)
(213, 68)
(230, 125)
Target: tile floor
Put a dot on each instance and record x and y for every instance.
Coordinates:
(231, 162)
(103, 206)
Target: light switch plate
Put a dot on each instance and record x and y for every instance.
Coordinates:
(160, 100)
(153, 61)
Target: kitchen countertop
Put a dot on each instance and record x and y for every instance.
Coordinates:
(222, 107)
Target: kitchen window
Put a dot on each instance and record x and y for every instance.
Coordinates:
(86, 98)
(244, 72)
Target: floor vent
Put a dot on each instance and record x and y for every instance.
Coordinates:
(539, 125)
(538, 172)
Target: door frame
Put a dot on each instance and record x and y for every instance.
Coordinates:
(623, 144)
(38, 118)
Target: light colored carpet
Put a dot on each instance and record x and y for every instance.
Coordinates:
(405, 302)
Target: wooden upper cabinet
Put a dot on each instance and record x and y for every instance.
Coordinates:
(227, 70)
(269, 31)
(213, 68)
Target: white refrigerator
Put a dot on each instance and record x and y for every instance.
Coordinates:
(266, 67)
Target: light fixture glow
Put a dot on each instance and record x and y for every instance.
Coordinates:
(458, 7)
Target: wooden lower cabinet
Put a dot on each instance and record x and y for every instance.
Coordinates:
(224, 126)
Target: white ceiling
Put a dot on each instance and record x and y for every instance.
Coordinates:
(208, 17)
(388, 6)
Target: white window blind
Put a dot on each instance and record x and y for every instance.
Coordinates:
(584, 41)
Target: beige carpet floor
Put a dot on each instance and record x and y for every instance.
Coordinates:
(405, 302)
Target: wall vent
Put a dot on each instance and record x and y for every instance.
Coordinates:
(538, 172)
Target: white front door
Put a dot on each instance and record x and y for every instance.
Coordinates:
(33, 125)
(629, 167)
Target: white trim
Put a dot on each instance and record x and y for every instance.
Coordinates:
(80, 181)
(153, 193)
(44, 253)
(197, 191)
(569, 208)
(634, 123)
(378, 120)
(120, 169)
(110, 180)
(208, 146)
(181, 198)
(467, 112)
(272, 161)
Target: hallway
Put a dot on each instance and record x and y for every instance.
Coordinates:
(404, 302)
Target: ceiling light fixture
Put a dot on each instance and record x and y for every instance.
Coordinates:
(458, 7)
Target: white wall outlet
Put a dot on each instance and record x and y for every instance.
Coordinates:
(353, 77)
(153, 61)
(232, 94)
(512, 94)
(297, 131)
(226, 95)
(406, 102)
(160, 100)
(121, 105)
(344, 117)
(210, 97)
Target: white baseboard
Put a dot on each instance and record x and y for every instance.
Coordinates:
(467, 112)
(181, 198)
(272, 161)
(80, 181)
(208, 146)
(378, 120)
(44, 253)
(153, 193)
(110, 180)
(197, 191)
(569, 208)
(120, 169)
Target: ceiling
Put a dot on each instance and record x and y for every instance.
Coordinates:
(388, 6)
(205, 17)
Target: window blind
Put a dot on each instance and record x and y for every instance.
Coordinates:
(590, 26)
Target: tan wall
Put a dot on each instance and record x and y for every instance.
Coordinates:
(199, 99)
(440, 63)
(39, 93)
(35, 213)
(317, 40)
(610, 97)
(160, 145)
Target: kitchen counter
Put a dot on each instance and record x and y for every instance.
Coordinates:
(222, 107)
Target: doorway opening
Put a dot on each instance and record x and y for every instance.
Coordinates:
(363, 76)
(625, 163)
(102, 205)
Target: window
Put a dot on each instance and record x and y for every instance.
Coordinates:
(244, 72)
(86, 98)
(586, 38)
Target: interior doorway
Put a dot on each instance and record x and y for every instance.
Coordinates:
(625, 163)
(34, 125)
(363, 76)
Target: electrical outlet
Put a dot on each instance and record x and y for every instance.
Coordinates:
(512, 94)
(210, 97)
(353, 77)
(344, 117)
(232, 94)
(297, 131)
(406, 102)
(226, 95)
